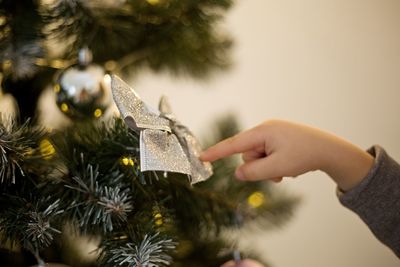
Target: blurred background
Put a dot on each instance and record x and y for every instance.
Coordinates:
(331, 64)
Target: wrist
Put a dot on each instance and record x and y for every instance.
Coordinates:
(346, 163)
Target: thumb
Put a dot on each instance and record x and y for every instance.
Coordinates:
(261, 169)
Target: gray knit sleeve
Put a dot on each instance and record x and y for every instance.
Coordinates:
(377, 199)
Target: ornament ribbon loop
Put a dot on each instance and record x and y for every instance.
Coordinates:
(165, 144)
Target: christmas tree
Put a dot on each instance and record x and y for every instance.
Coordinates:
(84, 183)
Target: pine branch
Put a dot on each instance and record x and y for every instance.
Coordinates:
(103, 190)
(105, 145)
(29, 221)
(177, 35)
(209, 205)
(39, 229)
(99, 200)
(17, 146)
(150, 251)
(116, 202)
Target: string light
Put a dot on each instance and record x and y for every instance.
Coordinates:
(57, 88)
(153, 2)
(29, 152)
(54, 63)
(158, 219)
(64, 107)
(256, 199)
(97, 113)
(127, 161)
(47, 150)
(110, 65)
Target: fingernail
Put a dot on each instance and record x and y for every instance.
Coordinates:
(239, 174)
(201, 157)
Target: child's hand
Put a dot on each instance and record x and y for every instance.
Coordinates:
(275, 149)
(243, 263)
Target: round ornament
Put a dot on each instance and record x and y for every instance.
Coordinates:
(83, 90)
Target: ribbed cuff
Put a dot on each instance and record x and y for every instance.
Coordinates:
(377, 199)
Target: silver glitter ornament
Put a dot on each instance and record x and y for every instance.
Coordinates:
(83, 90)
(165, 144)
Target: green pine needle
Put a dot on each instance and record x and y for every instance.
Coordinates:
(152, 251)
(39, 230)
(93, 202)
(30, 221)
(17, 142)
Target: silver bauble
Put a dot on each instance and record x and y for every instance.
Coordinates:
(83, 91)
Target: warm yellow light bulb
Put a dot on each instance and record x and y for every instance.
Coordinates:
(131, 162)
(64, 107)
(256, 199)
(97, 113)
(125, 161)
(57, 88)
(153, 2)
(57, 64)
(110, 65)
(29, 152)
(46, 149)
(159, 219)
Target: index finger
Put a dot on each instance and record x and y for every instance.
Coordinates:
(239, 143)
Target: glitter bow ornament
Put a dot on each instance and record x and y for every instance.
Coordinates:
(165, 144)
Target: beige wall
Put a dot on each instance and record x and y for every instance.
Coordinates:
(332, 64)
